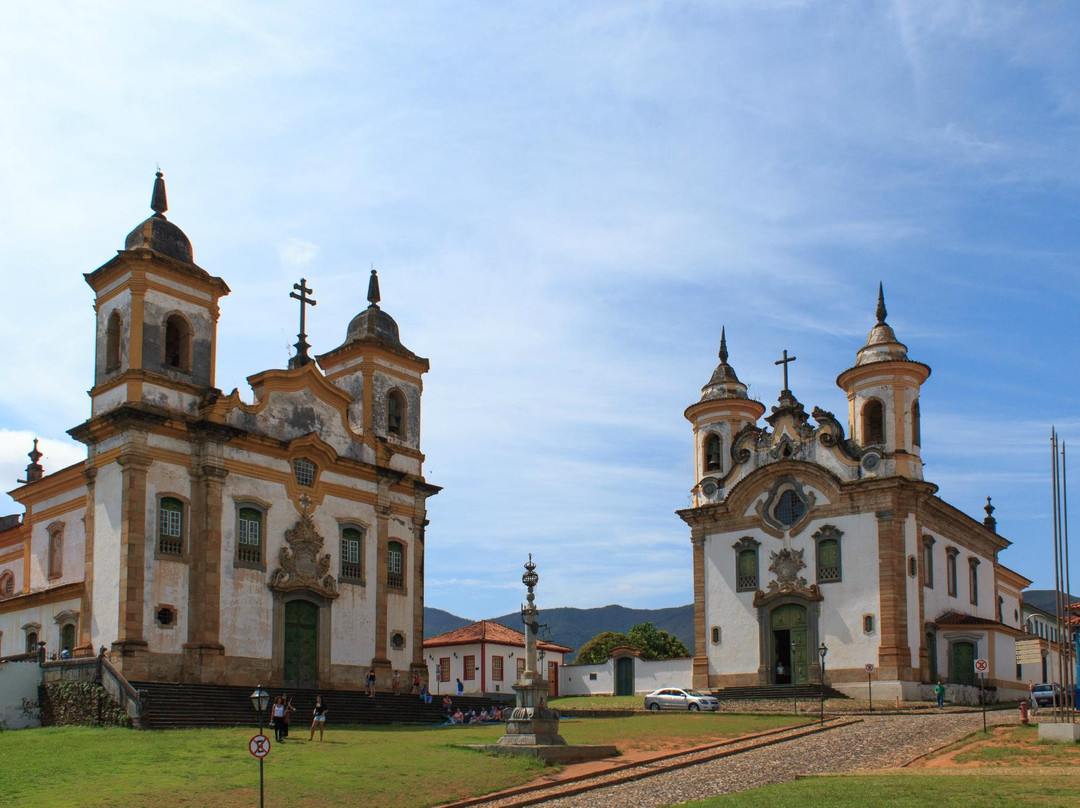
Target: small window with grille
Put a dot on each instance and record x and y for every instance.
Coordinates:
(496, 668)
(747, 570)
(249, 535)
(304, 470)
(351, 543)
(395, 565)
(170, 526)
(470, 668)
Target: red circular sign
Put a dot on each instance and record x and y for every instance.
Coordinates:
(259, 746)
(869, 667)
(982, 665)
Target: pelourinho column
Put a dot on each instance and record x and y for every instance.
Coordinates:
(532, 722)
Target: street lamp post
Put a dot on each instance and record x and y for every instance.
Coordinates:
(823, 650)
(794, 686)
(259, 700)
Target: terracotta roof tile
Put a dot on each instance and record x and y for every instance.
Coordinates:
(489, 631)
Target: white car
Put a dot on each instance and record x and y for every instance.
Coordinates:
(675, 698)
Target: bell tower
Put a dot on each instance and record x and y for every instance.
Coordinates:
(157, 314)
(883, 400)
(723, 410)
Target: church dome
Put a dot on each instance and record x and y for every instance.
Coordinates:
(881, 343)
(723, 383)
(373, 321)
(159, 234)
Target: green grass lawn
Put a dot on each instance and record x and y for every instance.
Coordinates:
(383, 766)
(910, 791)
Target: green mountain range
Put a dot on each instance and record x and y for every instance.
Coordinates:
(573, 627)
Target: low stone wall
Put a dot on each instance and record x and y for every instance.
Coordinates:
(19, 680)
(79, 703)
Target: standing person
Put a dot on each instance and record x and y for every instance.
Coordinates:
(939, 691)
(396, 683)
(416, 683)
(460, 689)
(318, 718)
(371, 683)
(277, 717)
(289, 710)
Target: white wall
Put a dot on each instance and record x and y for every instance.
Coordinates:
(649, 675)
(18, 681)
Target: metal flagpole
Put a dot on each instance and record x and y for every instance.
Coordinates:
(1056, 499)
(1070, 668)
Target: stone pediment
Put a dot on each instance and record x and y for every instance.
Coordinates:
(302, 564)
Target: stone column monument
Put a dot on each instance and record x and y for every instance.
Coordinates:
(532, 722)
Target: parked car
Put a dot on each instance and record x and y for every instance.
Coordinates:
(675, 698)
(1047, 695)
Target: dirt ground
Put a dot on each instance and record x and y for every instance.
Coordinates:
(997, 737)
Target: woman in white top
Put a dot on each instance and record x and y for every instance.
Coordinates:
(277, 717)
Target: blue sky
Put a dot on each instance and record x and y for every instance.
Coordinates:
(565, 202)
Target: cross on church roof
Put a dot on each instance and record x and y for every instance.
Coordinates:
(785, 362)
(301, 357)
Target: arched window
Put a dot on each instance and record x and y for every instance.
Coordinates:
(170, 526)
(973, 581)
(712, 452)
(178, 343)
(352, 554)
(950, 570)
(56, 551)
(395, 413)
(113, 331)
(395, 565)
(873, 422)
(31, 641)
(916, 427)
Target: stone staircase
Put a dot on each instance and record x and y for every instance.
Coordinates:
(807, 692)
(186, 706)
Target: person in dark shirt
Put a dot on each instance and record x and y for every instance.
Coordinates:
(318, 718)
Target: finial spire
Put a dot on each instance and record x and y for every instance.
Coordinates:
(34, 471)
(158, 203)
(990, 521)
(881, 312)
(723, 346)
(373, 295)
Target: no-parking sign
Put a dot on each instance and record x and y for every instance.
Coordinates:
(982, 665)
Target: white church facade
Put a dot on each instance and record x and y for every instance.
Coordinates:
(806, 540)
(207, 539)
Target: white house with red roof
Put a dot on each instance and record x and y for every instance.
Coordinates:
(488, 658)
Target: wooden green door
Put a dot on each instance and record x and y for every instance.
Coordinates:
(301, 643)
(963, 663)
(624, 676)
(789, 627)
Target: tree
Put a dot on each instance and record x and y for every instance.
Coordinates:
(654, 643)
(647, 639)
(599, 648)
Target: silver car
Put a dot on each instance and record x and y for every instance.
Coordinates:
(675, 698)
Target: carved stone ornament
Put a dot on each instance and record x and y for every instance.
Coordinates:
(785, 565)
(302, 566)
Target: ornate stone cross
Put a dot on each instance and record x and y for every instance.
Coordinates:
(301, 357)
(785, 362)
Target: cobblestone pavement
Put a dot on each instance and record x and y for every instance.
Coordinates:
(874, 743)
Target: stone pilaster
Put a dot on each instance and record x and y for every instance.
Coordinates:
(701, 629)
(130, 648)
(203, 652)
(894, 654)
(417, 663)
(86, 640)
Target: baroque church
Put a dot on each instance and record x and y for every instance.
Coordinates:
(816, 547)
(206, 539)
